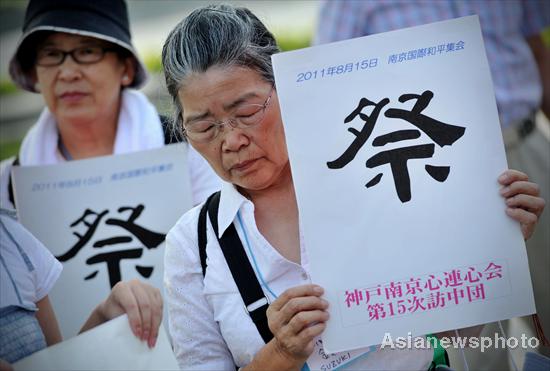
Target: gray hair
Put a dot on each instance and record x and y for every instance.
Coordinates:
(215, 35)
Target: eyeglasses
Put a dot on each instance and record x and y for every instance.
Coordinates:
(49, 57)
(245, 116)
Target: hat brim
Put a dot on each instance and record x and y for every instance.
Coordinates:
(25, 79)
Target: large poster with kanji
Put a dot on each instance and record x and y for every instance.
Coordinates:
(395, 148)
(105, 220)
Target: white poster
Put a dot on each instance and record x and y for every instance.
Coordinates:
(395, 148)
(105, 219)
(110, 346)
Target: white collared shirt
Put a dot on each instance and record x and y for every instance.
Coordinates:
(28, 270)
(210, 327)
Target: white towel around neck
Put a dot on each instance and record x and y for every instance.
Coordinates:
(138, 129)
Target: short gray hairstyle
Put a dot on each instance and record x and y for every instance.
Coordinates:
(215, 35)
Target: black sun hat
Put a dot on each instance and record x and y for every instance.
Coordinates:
(102, 19)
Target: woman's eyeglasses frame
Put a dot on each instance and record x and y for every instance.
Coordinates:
(42, 56)
(232, 121)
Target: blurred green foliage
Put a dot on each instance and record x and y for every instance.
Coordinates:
(7, 4)
(288, 42)
(9, 149)
(546, 36)
(153, 63)
(293, 42)
(7, 87)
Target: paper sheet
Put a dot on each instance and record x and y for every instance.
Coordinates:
(110, 346)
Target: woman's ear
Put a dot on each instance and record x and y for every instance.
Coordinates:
(129, 72)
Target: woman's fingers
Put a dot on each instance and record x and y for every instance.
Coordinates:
(293, 300)
(296, 338)
(529, 203)
(526, 219)
(510, 176)
(303, 320)
(123, 300)
(298, 305)
(296, 318)
(156, 316)
(519, 187)
(522, 216)
(144, 305)
(296, 292)
(150, 308)
(311, 332)
(308, 335)
(522, 199)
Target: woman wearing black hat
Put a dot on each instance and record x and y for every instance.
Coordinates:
(79, 56)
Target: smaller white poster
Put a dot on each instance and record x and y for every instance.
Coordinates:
(105, 220)
(110, 346)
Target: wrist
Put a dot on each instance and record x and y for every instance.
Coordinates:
(272, 356)
(97, 317)
(101, 312)
(294, 361)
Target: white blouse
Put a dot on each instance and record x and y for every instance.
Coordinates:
(210, 327)
(28, 271)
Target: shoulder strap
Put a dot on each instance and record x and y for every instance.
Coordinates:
(251, 292)
(11, 194)
(201, 232)
(170, 135)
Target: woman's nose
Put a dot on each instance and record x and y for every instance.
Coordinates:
(69, 69)
(234, 138)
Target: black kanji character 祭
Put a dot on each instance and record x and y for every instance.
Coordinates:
(83, 239)
(148, 238)
(441, 133)
(362, 136)
(112, 258)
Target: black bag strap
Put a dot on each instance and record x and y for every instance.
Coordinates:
(11, 194)
(201, 229)
(239, 265)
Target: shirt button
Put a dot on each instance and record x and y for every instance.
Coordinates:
(304, 276)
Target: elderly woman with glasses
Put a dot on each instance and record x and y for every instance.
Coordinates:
(217, 65)
(79, 56)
